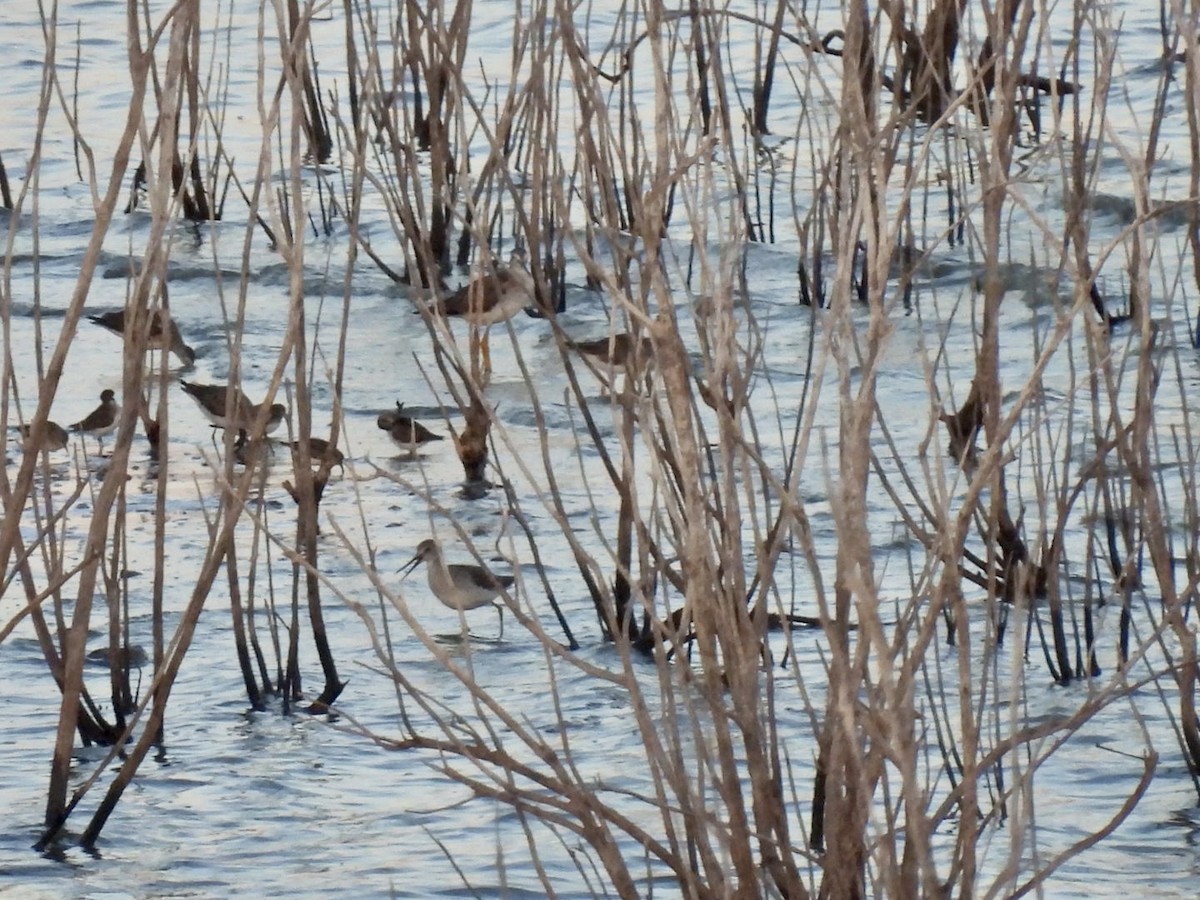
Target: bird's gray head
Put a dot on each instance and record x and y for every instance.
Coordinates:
(107, 396)
(427, 549)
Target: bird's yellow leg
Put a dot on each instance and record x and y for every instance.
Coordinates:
(481, 357)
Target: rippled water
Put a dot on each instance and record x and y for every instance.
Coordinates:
(256, 803)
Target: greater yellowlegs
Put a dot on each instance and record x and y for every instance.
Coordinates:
(102, 420)
(458, 585)
(490, 298)
(212, 400)
(407, 433)
(159, 338)
(618, 352)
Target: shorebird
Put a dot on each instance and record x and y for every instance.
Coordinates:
(491, 297)
(460, 586)
(212, 400)
(616, 352)
(130, 657)
(405, 431)
(102, 420)
(963, 427)
(173, 341)
(320, 451)
(54, 438)
(615, 355)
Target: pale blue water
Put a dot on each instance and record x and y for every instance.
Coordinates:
(258, 804)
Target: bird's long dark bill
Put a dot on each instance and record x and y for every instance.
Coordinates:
(410, 565)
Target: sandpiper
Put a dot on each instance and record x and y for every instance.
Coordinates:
(617, 351)
(102, 420)
(173, 341)
(320, 451)
(405, 431)
(617, 354)
(54, 438)
(458, 585)
(212, 401)
(491, 297)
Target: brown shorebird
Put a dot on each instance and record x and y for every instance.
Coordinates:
(320, 451)
(212, 399)
(460, 586)
(172, 340)
(617, 352)
(490, 298)
(55, 437)
(102, 420)
(407, 433)
(963, 427)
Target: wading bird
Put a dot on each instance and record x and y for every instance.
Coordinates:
(406, 432)
(102, 420)
(160, 339)
(212, 400)
(55, 437)
(490, 298)
(320, 451)
(617, 352)
(458, 585)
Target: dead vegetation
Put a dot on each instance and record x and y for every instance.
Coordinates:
(1027, 505)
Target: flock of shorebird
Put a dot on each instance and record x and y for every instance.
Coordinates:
(486, 300)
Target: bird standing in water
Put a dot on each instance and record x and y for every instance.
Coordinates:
(615, 355)
(160, 338)
(102, 420)
(458, 585)
(55, 437)
(212, 399)
(406, 432)
(490, 298)
(321, 452)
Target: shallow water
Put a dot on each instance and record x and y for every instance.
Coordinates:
(256, 803)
